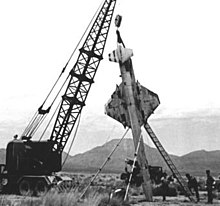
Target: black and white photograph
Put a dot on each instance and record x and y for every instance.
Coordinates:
(109, 103)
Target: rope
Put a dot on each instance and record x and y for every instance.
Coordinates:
(100, 169)
(74, 136)
(132, 169)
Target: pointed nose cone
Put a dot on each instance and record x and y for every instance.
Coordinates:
(121, 54)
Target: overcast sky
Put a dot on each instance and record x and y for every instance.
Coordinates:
(176, 49)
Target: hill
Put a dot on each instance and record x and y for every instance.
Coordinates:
(195, 162)
(93, 159)
(199, 161)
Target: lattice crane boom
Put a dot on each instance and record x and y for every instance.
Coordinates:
(82, 76)
(31, 164)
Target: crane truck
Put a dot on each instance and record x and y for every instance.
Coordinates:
(31, 166)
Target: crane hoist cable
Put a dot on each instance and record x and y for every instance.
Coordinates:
(56, 107)
(37, 125)
(48, 124)
(35, 122)
(27, 129)
(37, 118)
(104, 163)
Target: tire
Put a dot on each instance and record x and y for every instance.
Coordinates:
(40, 188)
(1, 187)
(25, 188)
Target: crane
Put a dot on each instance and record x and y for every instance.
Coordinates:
(31, 165)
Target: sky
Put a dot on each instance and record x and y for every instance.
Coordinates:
(176, 49)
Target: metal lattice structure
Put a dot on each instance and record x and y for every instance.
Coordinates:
(82, 76)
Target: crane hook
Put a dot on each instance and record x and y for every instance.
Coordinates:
(118, 19)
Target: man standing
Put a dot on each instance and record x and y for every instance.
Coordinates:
(137, 178)
(209, 184)
(164, 185)
(193, 184)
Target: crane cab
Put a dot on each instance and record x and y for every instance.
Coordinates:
(29, 167)
(32, 157)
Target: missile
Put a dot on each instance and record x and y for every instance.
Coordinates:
(146, 101)
(131, 104)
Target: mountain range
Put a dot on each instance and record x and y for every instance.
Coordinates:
(194, 163)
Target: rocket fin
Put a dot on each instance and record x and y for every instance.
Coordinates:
(146, 102)
(116, 107)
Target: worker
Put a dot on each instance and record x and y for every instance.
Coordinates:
(193, 184)
(15, 137)
(209, 184)
(164, 185)
(137, 178)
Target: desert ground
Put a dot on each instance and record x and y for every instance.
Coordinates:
(99, 190)
(16, 200)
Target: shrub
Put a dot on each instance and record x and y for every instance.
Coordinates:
(106, 201)
(58, 199)
(71, 199)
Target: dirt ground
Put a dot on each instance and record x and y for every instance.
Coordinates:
(136, 197)
(15, 200)
(173, 201)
